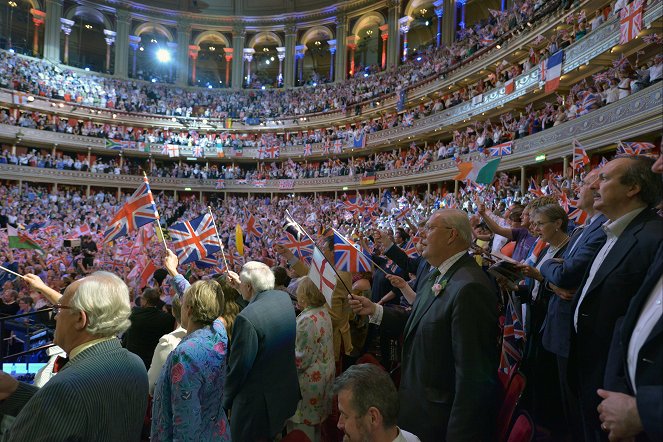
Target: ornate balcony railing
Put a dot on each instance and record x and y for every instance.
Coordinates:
(629, 117)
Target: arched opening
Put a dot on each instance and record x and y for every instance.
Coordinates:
(212, 67)
(265, 63)
(17, 27)
(87, 42)
(316, 61)
(155, 57)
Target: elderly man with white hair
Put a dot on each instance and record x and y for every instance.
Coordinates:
(101, 392)
(262, 388)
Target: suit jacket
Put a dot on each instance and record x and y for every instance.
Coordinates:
(419, 266)
(148, 325)
(649, 369)
(450, 358)
(608, 298)
(568, 275)
(262, 388)
(99, 395)
(340, 309)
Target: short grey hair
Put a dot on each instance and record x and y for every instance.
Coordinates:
(460, 222)
(104, 298)
(259, 275)
(370, 386)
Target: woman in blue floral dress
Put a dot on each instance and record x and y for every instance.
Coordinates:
(188, 395)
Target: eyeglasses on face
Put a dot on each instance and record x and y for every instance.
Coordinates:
(541, 224)
(58, 307)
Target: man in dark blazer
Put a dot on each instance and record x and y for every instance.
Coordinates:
(450, 358)
(148, 324)
(625, 193)
(101, 393)
(262, 388)
(633, 397)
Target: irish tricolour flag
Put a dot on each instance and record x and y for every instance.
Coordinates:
(481, 172)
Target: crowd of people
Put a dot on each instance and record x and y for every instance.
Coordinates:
(562, 297)
(41, 78)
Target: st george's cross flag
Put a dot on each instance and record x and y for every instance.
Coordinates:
(630, 21)
(194, 240)
(322, 274)
(136, 212)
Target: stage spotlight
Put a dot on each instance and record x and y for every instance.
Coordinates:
(163, 56)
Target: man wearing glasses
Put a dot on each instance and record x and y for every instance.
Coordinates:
(101, 392)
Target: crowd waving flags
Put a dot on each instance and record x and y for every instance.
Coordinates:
(138, 211)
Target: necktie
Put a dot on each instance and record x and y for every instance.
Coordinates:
(59, 363)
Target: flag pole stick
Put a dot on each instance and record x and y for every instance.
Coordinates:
(318, 248)
(368, 257)
(157, 212)
(11, 271)
(223, 255)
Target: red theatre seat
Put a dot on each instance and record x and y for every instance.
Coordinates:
(511, 397)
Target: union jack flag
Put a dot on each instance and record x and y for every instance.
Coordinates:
(220, 184)
(411, 249)
(253, 230)
(513, 339)
(576, 214)
(351, 205)
(534, 188)
(197, 151)
(633, 148)
(325, 148)
(259, 183)
(272, 151)
(136, 212)
(208, 262)
(338, 146)
(194, 240)
(630, 21)
(603, 162)
(302, 248)
(403, 213)
(348, 256)
(580, 158)
(308, 149)
(501, 149)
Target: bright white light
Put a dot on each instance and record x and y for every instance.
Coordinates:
(154, 80)
(418, 58)
(315, 84)
(209, 86)
(87, 69)
(11, 51)
(266, 61)
(163, 56)
(262, 87)
(365, 75)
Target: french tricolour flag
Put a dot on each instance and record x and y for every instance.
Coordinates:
(553, 71)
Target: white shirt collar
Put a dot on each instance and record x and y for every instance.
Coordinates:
(446, 265)
(616, 227)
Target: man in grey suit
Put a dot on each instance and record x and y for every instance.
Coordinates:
(101, 393)
(262, 388)
(449, 367)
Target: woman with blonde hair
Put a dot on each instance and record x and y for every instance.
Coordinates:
(187, 398)
(314, 356)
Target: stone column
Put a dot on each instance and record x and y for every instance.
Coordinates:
(565, 166)
(229, 58)
(332, 51)
(193, 53)
(134, 43)
(110, 39)
(239, 35)
(38, 18)
(404, 28)
(439, 12)
(280, 53)
(182, 53)
(248, 56)
(449, 22)
(52, 30)
(122, 44)
(341, 44)
(392, 23)
(65, 26)
(352, 45)
(299, 55)
(523, 181)
(173, 49)
(384, 35)
(461, 6)
(290, 43)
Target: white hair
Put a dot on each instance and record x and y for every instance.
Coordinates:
(459, 221)
(104, 298)
(259, 275)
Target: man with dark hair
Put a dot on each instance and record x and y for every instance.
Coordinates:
(148, 325)
(368, 406)
(625, 192)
